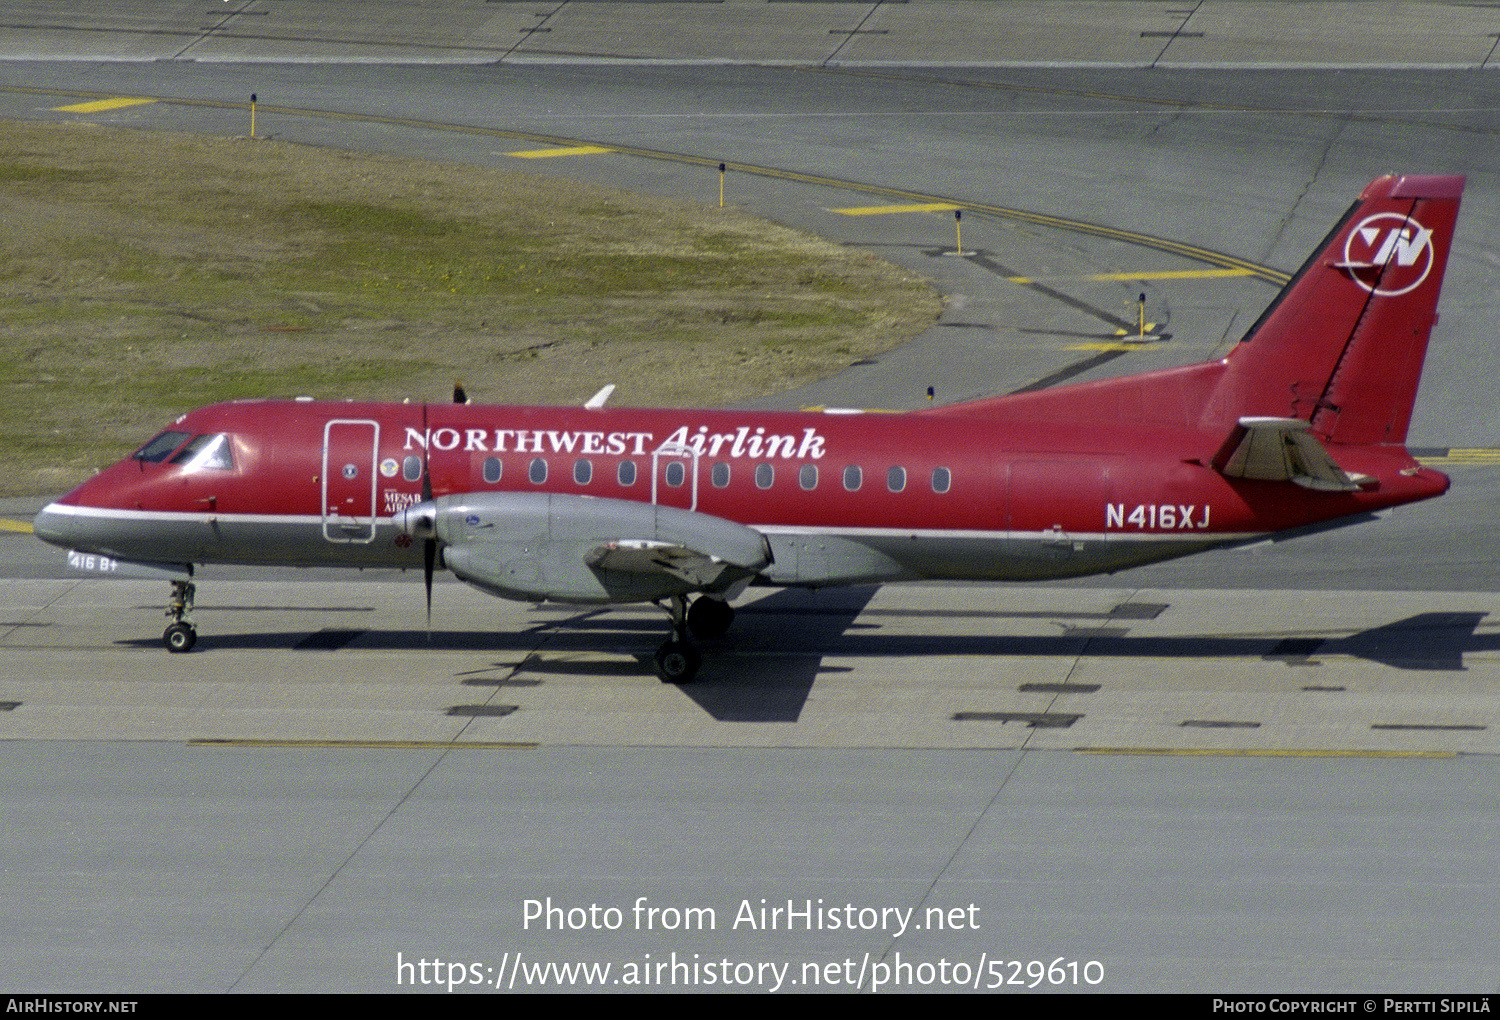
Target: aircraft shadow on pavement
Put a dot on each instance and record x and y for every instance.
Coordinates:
(764, 669)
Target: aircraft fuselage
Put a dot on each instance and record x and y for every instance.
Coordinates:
(842, 498)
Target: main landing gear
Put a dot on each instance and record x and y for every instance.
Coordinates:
(181, 634)
(678, 659)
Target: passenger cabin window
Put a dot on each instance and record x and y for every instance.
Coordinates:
(807, 477)
(676, 474)
(942, 479)
(626, 473)
(583, 471)
(853, 478)
(206, 453)
(411, 468)
(895, 479)
(160, 448)
(492, 470)
(765, 474)
(719, 475)
(537, 472)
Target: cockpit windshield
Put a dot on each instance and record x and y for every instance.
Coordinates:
(160, 448)
(206, 452)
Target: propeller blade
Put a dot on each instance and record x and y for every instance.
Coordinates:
(429, 544)
(429, 565)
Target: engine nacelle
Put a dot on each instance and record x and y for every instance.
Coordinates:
(546, 547)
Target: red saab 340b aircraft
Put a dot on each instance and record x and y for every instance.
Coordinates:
(1304, 422)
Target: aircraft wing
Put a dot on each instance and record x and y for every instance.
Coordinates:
(550, 546)
(1283, 449)
(645, 556)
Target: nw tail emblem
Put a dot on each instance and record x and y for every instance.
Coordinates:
(1388, 254)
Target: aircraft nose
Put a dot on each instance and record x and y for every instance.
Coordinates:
(54, 526)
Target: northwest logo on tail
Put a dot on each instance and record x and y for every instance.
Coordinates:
(1397, 245)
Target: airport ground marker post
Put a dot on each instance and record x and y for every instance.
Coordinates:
(252, 115)
(721, 185)
(1144, 330)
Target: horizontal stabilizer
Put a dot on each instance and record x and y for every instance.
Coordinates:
(1283, 450)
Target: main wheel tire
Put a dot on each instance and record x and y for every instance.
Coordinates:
(710, 618)
(677, 662)
(180, 637)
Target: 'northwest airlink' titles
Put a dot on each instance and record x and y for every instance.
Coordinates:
(742, 442)
(751, 915)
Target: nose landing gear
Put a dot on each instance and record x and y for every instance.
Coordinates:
(181, 634)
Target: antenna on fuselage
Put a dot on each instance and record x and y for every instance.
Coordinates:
(459, 396)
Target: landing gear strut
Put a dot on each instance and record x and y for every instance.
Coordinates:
(677, 660)
(181, 634)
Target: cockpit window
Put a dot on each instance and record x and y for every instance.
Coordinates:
(160, 448)
(206, 452)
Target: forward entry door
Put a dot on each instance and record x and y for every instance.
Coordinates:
(350, 447)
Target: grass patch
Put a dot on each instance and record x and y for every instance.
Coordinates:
(144, 274)
(371, 221)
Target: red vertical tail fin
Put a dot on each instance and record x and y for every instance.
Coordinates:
(1342, 346)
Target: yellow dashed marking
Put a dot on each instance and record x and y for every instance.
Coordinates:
(100, 105)
(23, 527)
(1473, 453)
(1170, 274)
(881, 210)
(576, 150)
(1468, 455)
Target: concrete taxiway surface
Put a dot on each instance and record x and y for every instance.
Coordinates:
(902, 666)
(1128, 33)
(1254, 771)
(211, 868)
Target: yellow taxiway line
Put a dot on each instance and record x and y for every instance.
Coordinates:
(571, 150)
(1167, 274)
(882, 210)
(100, 105)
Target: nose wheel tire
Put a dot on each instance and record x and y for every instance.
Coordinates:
(179, 637)
(677, 662)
